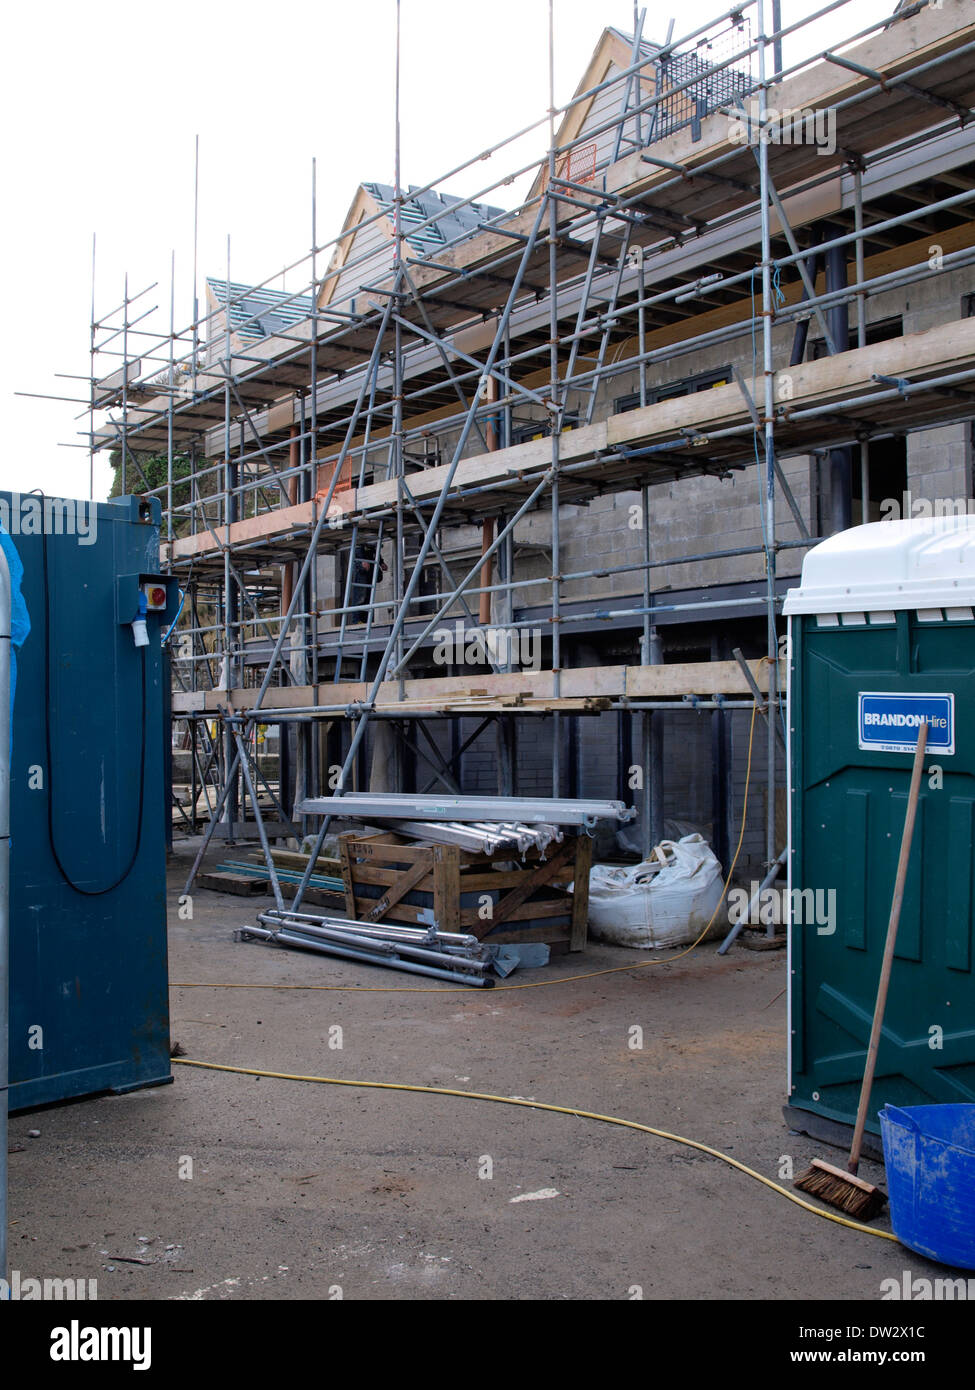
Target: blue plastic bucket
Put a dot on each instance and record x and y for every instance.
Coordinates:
(929, 1151)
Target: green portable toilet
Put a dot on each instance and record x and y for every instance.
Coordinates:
(881, 636)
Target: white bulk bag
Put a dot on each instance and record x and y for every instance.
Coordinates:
(667, 900)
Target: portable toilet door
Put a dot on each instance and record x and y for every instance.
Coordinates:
(881, 635)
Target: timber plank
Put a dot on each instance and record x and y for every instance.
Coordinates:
(580, 893)
(559, 908)
(405, 883)
(539, 876)
(241, 885)
(671, 680)
(446, 878)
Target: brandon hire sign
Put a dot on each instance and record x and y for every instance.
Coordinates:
(889, 723)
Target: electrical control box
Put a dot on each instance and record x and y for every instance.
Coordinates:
(89, 1007)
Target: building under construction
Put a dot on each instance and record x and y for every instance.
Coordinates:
(505, 499)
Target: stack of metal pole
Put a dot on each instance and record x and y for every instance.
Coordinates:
(480, 837)
(417, 950)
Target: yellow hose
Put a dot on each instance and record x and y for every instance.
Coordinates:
(554, 1109)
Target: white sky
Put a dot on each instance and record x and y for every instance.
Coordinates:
(102, 101)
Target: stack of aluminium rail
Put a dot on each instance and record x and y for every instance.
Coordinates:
(482, 824)
(444, 955)
(481, 837)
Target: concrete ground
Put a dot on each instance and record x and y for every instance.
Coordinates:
(226, 1186)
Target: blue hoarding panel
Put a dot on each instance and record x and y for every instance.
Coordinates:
(89, 1004)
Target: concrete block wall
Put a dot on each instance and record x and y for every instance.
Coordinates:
(939, 469)
(479, 764)
(597, 756)
(927, 303)
(695, 516)
(687, 767)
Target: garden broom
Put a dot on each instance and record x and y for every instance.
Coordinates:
(845, 1190)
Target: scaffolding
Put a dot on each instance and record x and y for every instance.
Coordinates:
(455, 393)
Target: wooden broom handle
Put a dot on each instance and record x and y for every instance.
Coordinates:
(888, 961)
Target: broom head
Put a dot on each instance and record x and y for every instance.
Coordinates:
(848, 1193)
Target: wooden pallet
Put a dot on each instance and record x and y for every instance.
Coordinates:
(390, 878)
(242, 885)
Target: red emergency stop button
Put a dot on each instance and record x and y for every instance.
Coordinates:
(155, 596)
